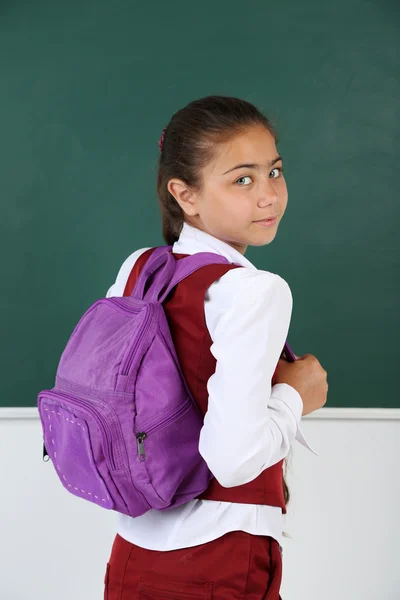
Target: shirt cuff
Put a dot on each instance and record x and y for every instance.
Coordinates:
(291, 397)
(302, 440)
(293, 400)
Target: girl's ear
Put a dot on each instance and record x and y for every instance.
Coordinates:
(184, 195)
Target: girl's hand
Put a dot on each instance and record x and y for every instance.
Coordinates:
(308, 377)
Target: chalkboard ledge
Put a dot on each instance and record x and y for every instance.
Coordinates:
(334, 413)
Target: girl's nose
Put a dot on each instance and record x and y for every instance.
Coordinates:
(269, 195)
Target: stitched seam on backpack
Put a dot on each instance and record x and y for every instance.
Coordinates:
(55, 455)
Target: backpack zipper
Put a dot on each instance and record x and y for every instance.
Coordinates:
(149, 315)
(129, 359)
(140, 444)
(123, 305)
(158, 426)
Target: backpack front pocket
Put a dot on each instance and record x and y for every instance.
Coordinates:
(85, 443)
(78, 438)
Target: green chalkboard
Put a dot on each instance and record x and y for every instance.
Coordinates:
(85, 90)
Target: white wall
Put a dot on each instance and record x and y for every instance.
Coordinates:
(343, 521)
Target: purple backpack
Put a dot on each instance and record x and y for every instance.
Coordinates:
(120, 425)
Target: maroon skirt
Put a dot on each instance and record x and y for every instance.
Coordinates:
(236, 566)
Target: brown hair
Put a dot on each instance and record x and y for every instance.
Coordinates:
(188, 144)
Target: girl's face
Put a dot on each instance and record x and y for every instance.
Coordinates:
(242, 186)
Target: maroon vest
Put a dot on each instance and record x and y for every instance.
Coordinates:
(184, 309)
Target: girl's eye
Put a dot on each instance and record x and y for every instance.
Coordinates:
(275, 173)
(242, 179)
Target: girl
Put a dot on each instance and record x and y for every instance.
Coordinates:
(221, 189)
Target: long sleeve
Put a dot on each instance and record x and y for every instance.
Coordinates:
(249, 426)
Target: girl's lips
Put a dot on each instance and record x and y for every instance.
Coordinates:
(267, 222)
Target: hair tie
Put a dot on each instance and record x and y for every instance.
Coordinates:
(161, 142)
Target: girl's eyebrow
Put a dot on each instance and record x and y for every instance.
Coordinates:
(254, 166)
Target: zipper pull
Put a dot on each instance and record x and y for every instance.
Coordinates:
(45, 453)
(140, 444)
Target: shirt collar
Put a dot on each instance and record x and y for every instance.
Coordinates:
(193, 240)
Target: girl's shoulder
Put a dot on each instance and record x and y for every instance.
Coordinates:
(258, 285)
(250, 287)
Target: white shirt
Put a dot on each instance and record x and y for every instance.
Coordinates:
(249, 426)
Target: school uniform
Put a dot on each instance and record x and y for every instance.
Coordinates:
(229, 326)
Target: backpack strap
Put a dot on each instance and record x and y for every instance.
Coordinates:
(189, 265)
(160, 260)
(172, 272)
(162, 272)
